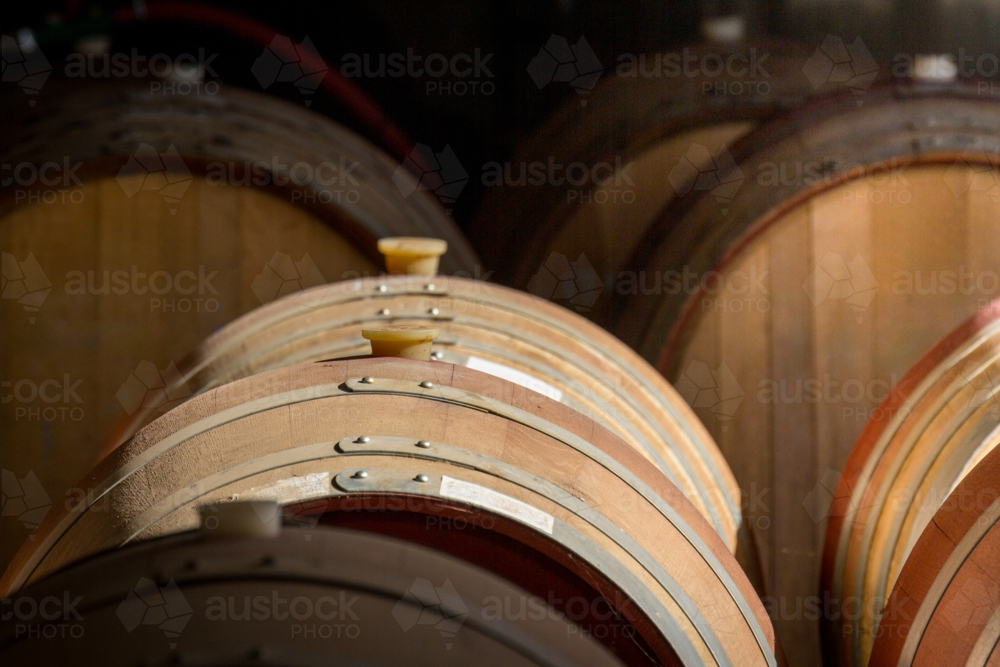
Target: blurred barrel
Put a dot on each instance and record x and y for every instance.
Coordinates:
(594, 178)
(376, 439)
(863, 231)
(942, 419)
(945, 606)
(133, 225)
(305, 595)
(489, 328)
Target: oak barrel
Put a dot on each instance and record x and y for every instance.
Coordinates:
(941, 420)
(945, 606)
(300, 596)
(401, 435)
(863, 232)
(489, 328)
(133, 225)
(593, 179)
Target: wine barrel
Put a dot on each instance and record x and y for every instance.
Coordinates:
(945, 606)
(864, 231)
(622, 157)
(941, 420)
(173, 216)
(489, 328)
(305, 595)
(399, 435)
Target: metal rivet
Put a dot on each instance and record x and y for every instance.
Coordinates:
(384, 311)
(368, 379)
(363, 440)
(361, 474)
(434, 311)
(382, 288)
(437, 355)
(423, 444)
(422, 478)
(429, 287)
(427, 384)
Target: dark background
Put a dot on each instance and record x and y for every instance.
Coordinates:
(485, 128)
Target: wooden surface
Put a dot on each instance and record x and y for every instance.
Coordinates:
(638, 128)
(943, 607)
(831, 290)
(99, 325)
(254, 437)
(491, 328)
(323, 592)
(940, 421)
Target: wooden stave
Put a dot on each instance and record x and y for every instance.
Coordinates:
(941, 567)
(689, 234)
(928, 389)
(101, 125)
(651, 408)
(308, 562)
(191, 411)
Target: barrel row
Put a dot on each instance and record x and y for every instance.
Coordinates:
(905, 483)
(374, 438)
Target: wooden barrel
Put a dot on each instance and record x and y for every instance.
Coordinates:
(864, 231)
(404, 435)
(489, 328)
(942, 419)
(173, 216)
(945, 606)
(302, 596)
(608, 167)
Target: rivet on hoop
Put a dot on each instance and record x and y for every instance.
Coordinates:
(422, 478)
(434, 311)
(368, 379)
(361, 474)
(364, 440)
(382, 288)
(426, 384)
(384, 311)
(423, 444)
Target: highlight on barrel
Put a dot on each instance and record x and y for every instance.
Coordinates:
(303, 595)
(945, 606)
(863, 232)
(488, 328)
(400, 436)
(176, 215)
(941, 421)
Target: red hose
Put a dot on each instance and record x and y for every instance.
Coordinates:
(352, 98)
